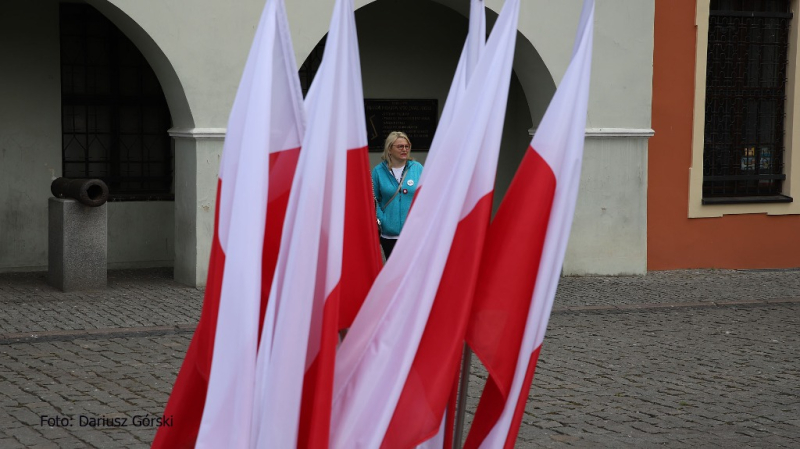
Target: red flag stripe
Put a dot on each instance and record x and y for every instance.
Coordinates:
(187, 399)
(189, 391)
(282, 166)
(450, 414)
(420, 408)
(498, 320)
(329, 255)
(499, 316)
(361, 258)
(393, 375)
(512, 308)
(315, 408)
(361, 262)
(511, 438)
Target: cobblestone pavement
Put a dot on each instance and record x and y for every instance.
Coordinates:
(681, 359)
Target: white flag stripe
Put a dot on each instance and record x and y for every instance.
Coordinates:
(484, 175)
(234, 139)
(562, 149)
(483, 180)
(370, 376)
(473, 49)
(262, 120)
(288, 110)
(476, 36)
(310, 258)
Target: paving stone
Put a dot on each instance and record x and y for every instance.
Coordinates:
(11, 443)
(695, 358)
(28, 436)
(69, 443)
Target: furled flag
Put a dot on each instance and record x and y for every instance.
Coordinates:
(524, 253)
(473, 48)
(264, 134)
(298, 343)
(469, 242)
(395, 369)
(361, 257)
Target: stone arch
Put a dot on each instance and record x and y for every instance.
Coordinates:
(530, 69)
(142, 233)
(174, 92)
(410, 50)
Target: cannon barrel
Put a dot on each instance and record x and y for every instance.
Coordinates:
(91, 192)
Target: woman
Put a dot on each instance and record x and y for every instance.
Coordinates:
(394, 182)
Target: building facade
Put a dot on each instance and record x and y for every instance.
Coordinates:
(138, 92)
(723, 182)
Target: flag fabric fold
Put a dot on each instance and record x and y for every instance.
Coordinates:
(298, 343)
(267, 118)
(446, 325)
(524, 253)
(263, 357)
(361, 258)
(396, 368)
(264, 133)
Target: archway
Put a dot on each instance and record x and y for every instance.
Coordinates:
(139, 159)
(410, 49)
(170, 83)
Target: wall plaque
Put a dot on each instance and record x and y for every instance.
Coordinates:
(416, 117)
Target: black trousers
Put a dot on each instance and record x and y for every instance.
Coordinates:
(387, 245)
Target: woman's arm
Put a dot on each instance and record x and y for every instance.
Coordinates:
(376, 192)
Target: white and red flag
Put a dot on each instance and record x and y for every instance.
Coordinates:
(524, 253)
(330, 205)
(396, 368)
(483, 177)
(265, 129)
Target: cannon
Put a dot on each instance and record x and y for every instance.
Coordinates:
(91, 192)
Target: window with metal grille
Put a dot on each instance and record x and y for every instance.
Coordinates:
(113, 112)
(745, 98)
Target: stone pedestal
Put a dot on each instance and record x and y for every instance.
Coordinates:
(77, 245)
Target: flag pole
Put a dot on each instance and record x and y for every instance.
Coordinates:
(461, 405)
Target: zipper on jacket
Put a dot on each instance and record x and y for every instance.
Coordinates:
(405, 168)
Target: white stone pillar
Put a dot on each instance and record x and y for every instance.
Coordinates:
(609, 232)
(197, 156)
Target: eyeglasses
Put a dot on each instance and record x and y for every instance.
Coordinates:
(401, 147)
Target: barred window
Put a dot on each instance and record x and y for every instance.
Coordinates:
(113, 112)
(745, 99)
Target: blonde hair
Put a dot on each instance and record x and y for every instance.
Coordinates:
(390, 140)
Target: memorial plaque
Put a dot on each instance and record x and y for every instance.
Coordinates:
(417, 118)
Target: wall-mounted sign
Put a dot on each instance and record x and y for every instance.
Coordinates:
(417, 118)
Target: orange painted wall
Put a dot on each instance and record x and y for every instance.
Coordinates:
(673, 240)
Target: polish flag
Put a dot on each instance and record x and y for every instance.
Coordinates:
(454, 296)
(294, 373)
(396, 368)
(524, 253)
(264, 134)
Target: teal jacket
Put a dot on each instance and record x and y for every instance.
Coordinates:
(393, 216)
